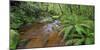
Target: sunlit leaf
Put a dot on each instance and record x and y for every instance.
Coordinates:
(78, 29)
(55, 17)
(13, 39)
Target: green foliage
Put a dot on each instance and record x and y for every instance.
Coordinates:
(13, 39)
(55, 17)
(77, 20)
(80, 26)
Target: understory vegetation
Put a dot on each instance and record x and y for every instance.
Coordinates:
(77, 21)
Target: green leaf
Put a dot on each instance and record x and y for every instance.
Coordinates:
(78, 41)
(67, 31)
(89, 41)
(78, 29)
(13, 39)
(55, 17)
(69, 42)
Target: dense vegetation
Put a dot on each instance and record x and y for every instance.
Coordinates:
(77, 20)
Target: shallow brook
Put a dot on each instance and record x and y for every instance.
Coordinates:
(40, 35)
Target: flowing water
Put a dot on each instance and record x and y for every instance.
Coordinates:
(40, 35)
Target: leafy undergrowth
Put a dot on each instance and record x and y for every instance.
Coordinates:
(76, 21)
(78, 30)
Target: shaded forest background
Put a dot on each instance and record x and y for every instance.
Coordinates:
(78, 20)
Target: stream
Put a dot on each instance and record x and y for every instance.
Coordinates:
(40, 35)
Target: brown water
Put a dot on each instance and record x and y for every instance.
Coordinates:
(39, 35)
